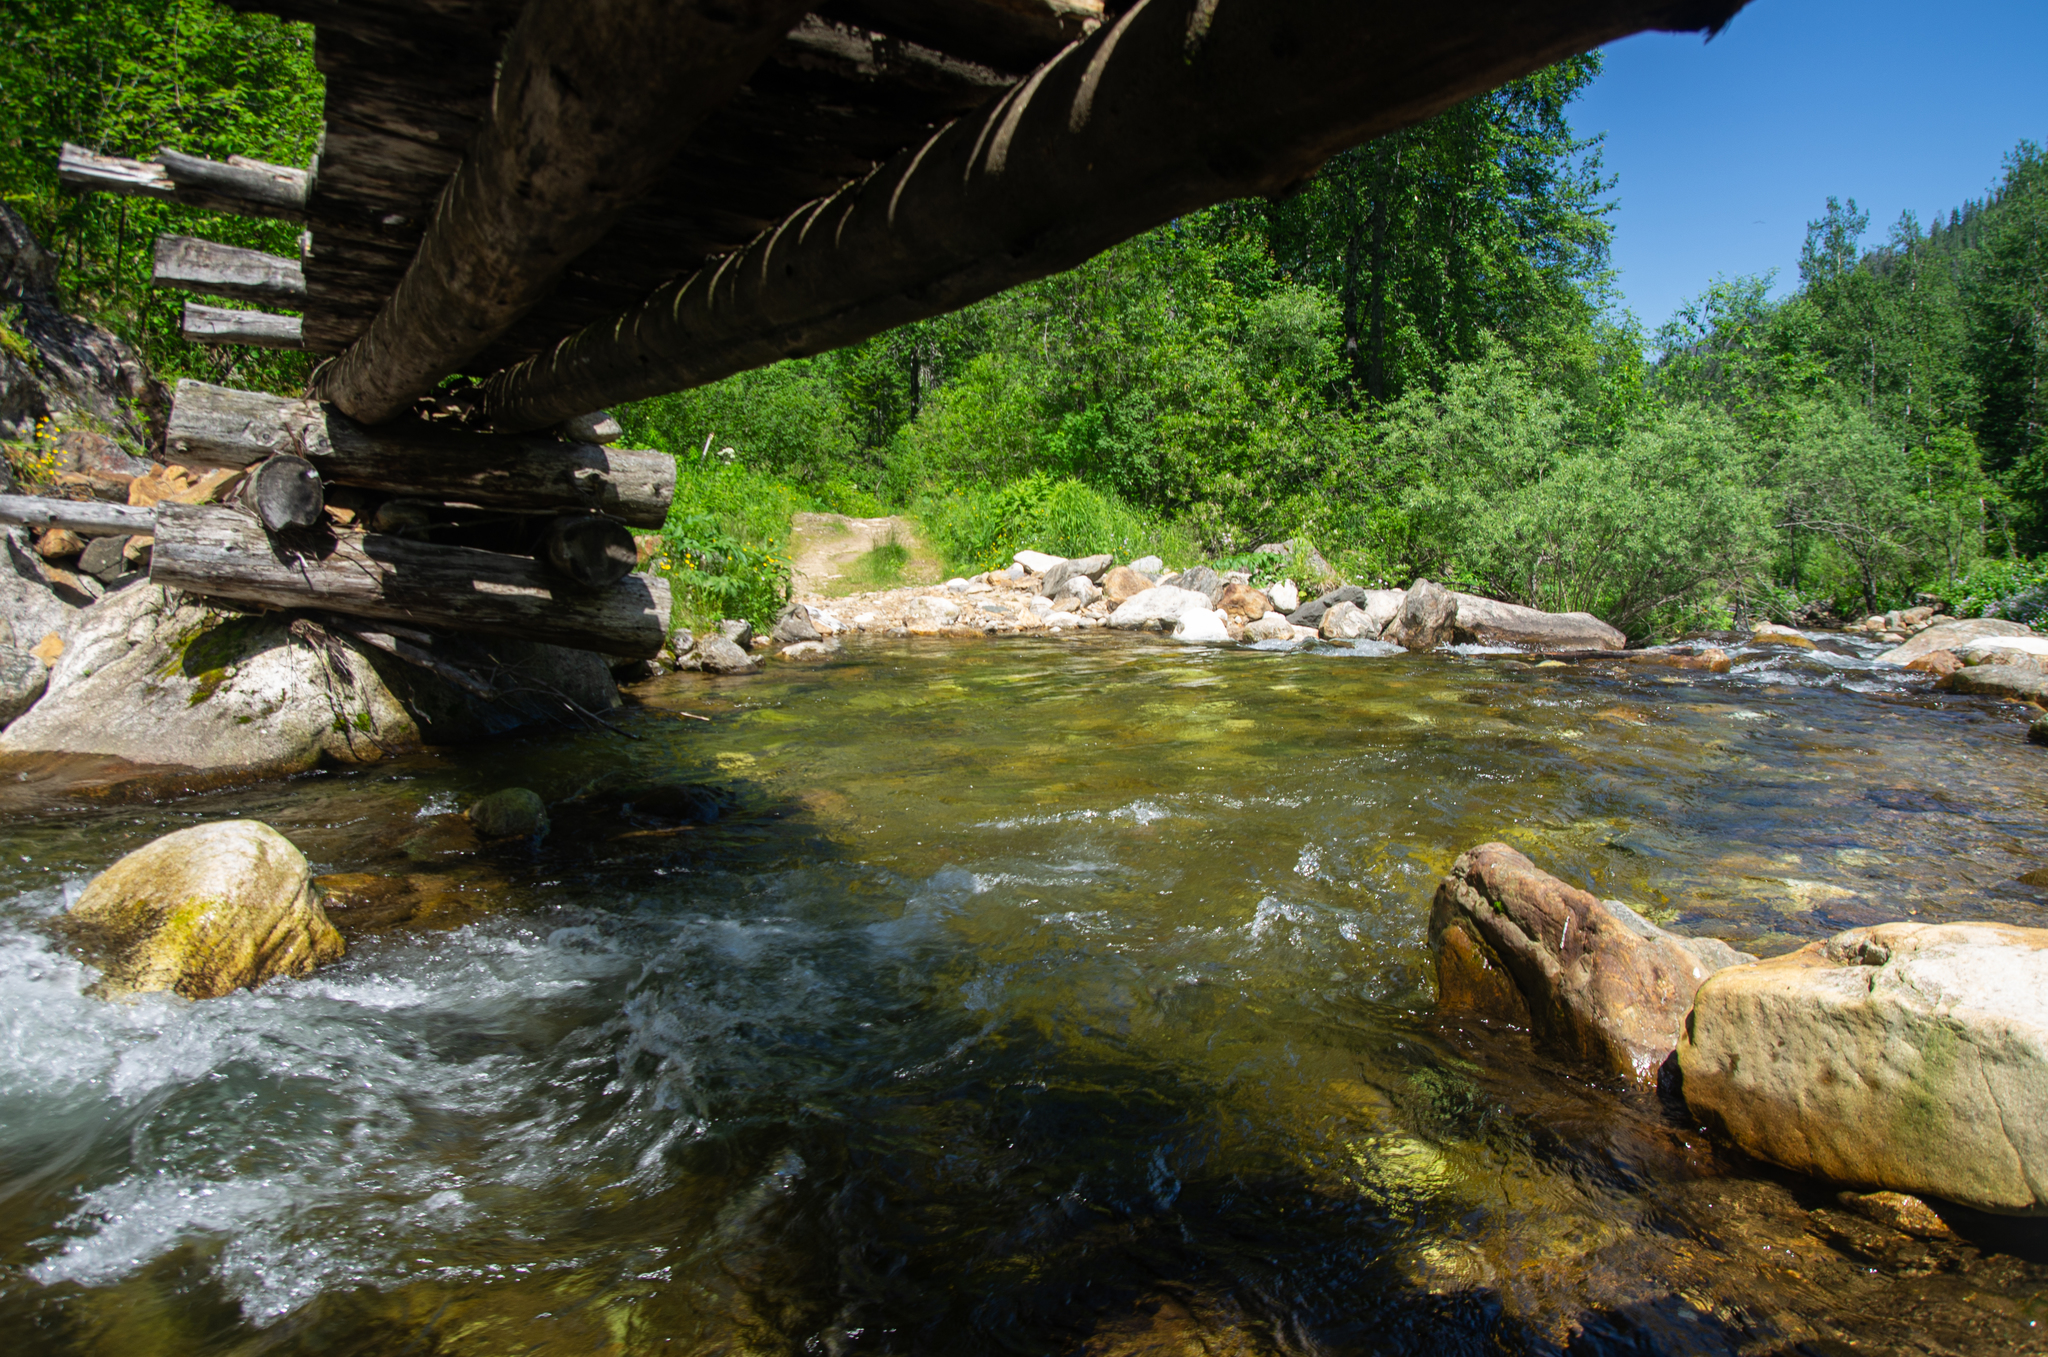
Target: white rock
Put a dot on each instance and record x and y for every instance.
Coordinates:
(1040, 605)
(1304, 633)
(1161, 603)
(1271, 627)
(1200, 625)
(1148, 565)
(956, 585)
(864, 621)
(1285, 596)
(827, 623)
(1037, 562)
(930, 612)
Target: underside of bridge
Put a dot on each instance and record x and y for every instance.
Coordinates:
(582, 202)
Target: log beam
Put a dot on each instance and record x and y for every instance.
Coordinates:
(87, 518)
(252, 329)
(223, 553)
(240, 186)
(593, 99)
(228, 271)
(216, 426)
(1010, 35)
(1177, 105)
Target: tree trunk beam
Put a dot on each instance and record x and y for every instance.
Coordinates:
(1010, 35)
(240, 187)
(251, 329)
(284, 492)
(87, 518)
(215, 426)
(228, 271)
(854, 53)
(1177, 105)
(593, 99)
(223, 553)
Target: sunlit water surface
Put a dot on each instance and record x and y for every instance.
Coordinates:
(1035, 997)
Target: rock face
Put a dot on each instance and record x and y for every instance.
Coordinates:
(204, 912)
(1954, 636)
(1160, 603)
(1590, 979)
(1485, 621)
(153, 677)
(1425, 621)
(1910, 1057)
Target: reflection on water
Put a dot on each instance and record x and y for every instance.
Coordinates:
(1033, 997)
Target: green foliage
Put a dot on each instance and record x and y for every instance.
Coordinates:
(977, 530)
(125, 77)
(716, 575)
(880, 567)
(1998, 586)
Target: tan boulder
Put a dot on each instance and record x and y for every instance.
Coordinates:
(59, 544)
(1771, 634)
(1242, 602)
(1123, 583)
(1936, 662)
(1428, 613)
(1906, 1057)
(1590, 979)
(1952, 635)
(204, 912)
(1489, 622)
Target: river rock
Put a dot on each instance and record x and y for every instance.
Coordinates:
(1489, 622)
(2011, 681)
(1202, 580)
(739, 631)
(59, 544)
(1124, 583)
(514, 813)
(928, 613)
(1149, 566)
(794, 624)
(1078, 588)
(23, 677)
(1201, 625)
(1347, 622)
(1037, 562)
(1428, 614)
(810, 650)
(1936, 662)
(1271, 627)
(1087, 567)
(154, 677)
(1908, 1057)
(1591, 979)
(1952, 635)
(1243, 602)
(1160, 603)
(1284, 596)
(717, 655)
(2028, 652)
(203, 912)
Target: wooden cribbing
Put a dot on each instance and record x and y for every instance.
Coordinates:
(215, 426)
(224, 553)
(228, 271)
(593, 99)
(244, 187)
(205, 324)
(1176, 105)
(87, 518)
(283, 492)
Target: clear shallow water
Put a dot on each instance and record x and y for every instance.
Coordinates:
(1036, 996)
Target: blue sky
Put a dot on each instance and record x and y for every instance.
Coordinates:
(1726, 149)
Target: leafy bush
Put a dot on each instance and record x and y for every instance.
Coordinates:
(2011, 587)
(715, 575)
(983, 530)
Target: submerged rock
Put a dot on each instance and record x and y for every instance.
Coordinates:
(1589, 978)
(202, 913)
(514, 813)
(1908, 1057)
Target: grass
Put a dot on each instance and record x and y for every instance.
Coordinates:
(879, 567)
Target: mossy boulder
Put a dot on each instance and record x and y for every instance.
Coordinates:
(204, 912)
(514, 813)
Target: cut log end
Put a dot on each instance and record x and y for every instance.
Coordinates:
(591, 549)
(284, 492)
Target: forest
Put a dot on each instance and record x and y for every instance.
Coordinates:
(1420, 364)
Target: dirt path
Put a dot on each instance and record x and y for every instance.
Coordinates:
(832, 555)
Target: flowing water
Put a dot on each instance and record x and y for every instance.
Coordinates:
(1033, 997)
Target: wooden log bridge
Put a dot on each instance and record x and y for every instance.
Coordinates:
(574, 203)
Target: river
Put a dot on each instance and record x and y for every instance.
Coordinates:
(1036, 997)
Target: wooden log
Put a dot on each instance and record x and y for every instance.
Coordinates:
(216, 426)
(859, 54)
(228, 271)
(1010, 35)
(87, 518)
(243, 187)
(1177, 105)
(252, 329)
(284, 492)
(593, 99)
(591, 549)
(224, 553)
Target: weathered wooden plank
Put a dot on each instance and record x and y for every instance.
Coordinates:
(244, 187)
(216, 426)
(865, 56)
(593, 98)
(1177, 105)
(224, 553)
(1010, 35)
(87, 518)
(228, 271)
(251, 329)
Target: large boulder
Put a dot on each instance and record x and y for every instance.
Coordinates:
(203, 912)
(1347, 622)
(2015, 682)
(1090, 568)
(1911, 1057)
(2028, 652)
(1160, 603)
(1428, 615)
(716, 655)
(1489, 622)
(154, 677)
(1123, 584)
(1200, 625)
(1202, 580)
(1243, 602)
(1953, 635)
(794, 625)
(1590, 979)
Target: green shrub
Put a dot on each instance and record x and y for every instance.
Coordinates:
(982, 530)
(2011, 587)
(715, 575)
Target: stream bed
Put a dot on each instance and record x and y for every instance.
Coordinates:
(1026, 997)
